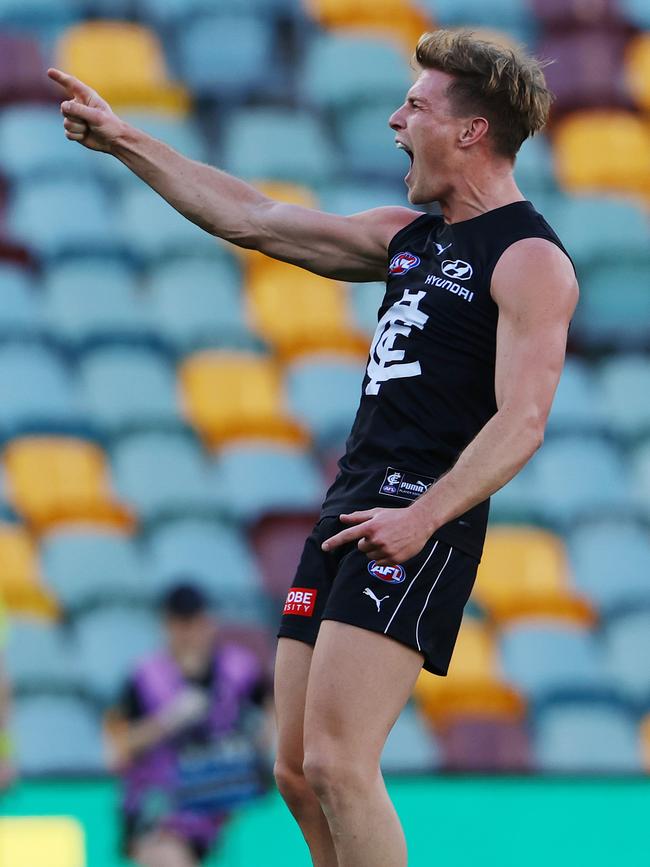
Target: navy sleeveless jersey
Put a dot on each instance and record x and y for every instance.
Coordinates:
(429, 383)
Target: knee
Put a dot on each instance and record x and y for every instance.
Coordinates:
(291, 782)
(333, 776)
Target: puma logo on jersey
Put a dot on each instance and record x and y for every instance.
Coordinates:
(388, 363)
(440, 249)
(375, 599)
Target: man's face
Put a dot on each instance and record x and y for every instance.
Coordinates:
(426, 128)
(191, 640)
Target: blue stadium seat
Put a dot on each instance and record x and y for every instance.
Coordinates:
(110, 641)
(587, 738)
(365, 301)
(39, 16)
(638, 12)
(245, 63)
(410, 747)
(63, 217)
(295, 147)
(20, 309)
(516, 501)
(540, 657)
(198, 302)
(211, 553)
(152, 229)
(35, 387)
(351, 198)
(256, 478)
(534, 168)
(627, 643)
(511, 16)
(124, 387)
(175, 12)
(344, 72)
(610, 562)
(159, 473)
(621, 317)
(641, 475)
(579, 477)
(87, 567)
(57, 734)
(39, 657)
(576, 406)
(324, 394)
(88, 298)
(623, 380)
(368, 144)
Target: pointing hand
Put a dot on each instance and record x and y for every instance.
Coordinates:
(89, 119)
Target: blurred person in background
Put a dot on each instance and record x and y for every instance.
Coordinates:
(187, 736)
(467, 354)
(7, 771)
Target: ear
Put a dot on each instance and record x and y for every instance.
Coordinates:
(473, 131)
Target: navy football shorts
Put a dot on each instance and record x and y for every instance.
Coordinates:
(418, 603)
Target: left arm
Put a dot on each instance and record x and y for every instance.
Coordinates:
(534, 316)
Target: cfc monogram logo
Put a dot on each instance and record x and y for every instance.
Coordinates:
(386, 362)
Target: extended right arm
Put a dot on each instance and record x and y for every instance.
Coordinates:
(349, 248)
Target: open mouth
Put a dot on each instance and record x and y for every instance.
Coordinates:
(401, 146)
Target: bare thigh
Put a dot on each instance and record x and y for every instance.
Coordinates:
(292, 665)
(160, 849)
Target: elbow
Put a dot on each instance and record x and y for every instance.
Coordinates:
(533, 437)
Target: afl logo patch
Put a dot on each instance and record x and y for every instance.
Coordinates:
(457, 268)
(389, 574)
(403, 262)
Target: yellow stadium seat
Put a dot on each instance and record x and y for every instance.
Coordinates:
(603, 151)
(637, 69)
(473, 687)
(125, 63)
(524, 573)
(645, 741)
(228, 396)
(58, 479)
(400, 20)
(21, 590)
(298, 312)
(55, 841)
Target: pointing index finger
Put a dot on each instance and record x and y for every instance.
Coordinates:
(72, 85)
(345, 536)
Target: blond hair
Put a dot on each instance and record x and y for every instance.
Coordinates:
(498, 82)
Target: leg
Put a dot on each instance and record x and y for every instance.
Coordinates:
(159, 849)
(358, 684)
(291, 674)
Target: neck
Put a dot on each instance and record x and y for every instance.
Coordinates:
(477, 192)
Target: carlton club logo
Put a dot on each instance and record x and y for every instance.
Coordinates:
(389, 574)
(457, 268)
(402, 262)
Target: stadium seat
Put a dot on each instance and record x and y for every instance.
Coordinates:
(57, 479)
(627, 645)
(211, 553)
(317, 319)
(23, 839)
(57, 217)
(86, 567)
(524, 573)
(641, 475)
(124, 62)
(110, 641)
(587, 739)
(397, 20)
(410, 746)
(540, 657)
(295, 146)
(349, 197)
(365, 301)
(576, 408)
(163, 472)
(77, 746)
(35, 387)
(40, 658)
(88, 298)
(474, 686)
(512, 16)
(638, 12)
(246, 63)
(278, 540)
(128, 387)
(600, 151)
(516, 501)
(610, 562)
(620, 319)
(579, 477)
(475, 744)
(622, 379)
(368, 145)
(21, 70)
(151, 229)
(347, 71)
(196, 302)
(323, 393)
(256, 478)
(561, 15)
(20, 313)
(534, 167)
(228, 395)
(21, 588)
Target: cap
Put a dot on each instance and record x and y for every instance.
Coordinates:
(184, 600)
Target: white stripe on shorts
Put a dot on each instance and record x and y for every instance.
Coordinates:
(410, 585)
(426, 601)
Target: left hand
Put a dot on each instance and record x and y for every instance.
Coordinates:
(388, 536)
